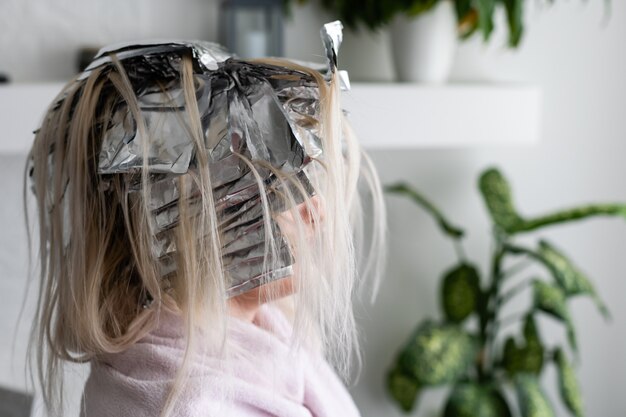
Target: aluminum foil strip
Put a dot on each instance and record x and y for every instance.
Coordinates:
(248, 110)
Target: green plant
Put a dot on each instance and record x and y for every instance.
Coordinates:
(472, 15)
(474, 359)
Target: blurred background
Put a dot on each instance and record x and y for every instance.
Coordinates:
(548, 112)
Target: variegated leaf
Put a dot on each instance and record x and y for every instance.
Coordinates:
(550, 299)
(460, 292)
(568, 385)
(525, 359)
(403, 388)
(474, 400)
(533, 402)
(499, 200)
(571, 279)
(438, 354)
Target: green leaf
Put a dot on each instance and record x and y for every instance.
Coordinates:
(420, 200)
(485, 16)
(531, 334)
(499, 200)
(571, 336)
(568, 276)
(533, 351)
(514, 16)
(403, 388)
(511, 357)
(438, 354)
(420, 6)
(371, 14)
(474, 400)
(497, 194)
(462, 8)
(568, 385)
(551, 299)
(572, 215)
(532, 400)
(527, 358)
(460, 292)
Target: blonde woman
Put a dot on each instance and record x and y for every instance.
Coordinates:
(199, 234)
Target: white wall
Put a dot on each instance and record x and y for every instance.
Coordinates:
(579, 61)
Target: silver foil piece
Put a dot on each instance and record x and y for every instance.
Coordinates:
(208, 54)
(259, 111)
(332, 36)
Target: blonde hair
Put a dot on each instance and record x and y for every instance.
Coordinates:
(95, 259)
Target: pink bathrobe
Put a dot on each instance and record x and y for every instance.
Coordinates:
(276, 382)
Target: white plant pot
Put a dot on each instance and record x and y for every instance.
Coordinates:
(423, 47)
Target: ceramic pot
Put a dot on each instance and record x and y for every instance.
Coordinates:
(424, 46)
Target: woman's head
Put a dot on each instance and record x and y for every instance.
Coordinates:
(170, 176)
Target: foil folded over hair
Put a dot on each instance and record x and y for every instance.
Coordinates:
(248, 111)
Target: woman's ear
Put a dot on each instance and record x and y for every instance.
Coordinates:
(313, 211)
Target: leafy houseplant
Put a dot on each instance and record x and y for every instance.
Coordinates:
(473, 360)
(472, 15)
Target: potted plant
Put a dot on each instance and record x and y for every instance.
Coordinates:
(423, 41)
(472, 15)
(423, 33)
(479, 361)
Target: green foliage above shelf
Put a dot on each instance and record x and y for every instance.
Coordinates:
(479, 362)
(473, 16)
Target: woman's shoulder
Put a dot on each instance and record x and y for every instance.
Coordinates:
(138, 382)
(264, 377)
(108, 393)
(160, 352)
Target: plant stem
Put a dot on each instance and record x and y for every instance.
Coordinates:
(444, 224)
(513, 292)
(520, 250)
(500, 324)
(451, 231)
(518, 267)
(460, 252)
(509, 320)
(487, 314)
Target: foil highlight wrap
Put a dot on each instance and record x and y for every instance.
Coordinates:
(332, 36)
(248, 111)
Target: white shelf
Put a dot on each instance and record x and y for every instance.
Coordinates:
(385, 116)
(408, 116)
